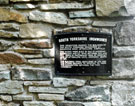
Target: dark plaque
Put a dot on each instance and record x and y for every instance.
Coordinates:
(83, 54)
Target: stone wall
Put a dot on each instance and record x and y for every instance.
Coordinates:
(27, 75)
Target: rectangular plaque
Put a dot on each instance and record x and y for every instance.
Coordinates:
(83, 54)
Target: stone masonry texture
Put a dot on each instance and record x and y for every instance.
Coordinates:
(27, 52)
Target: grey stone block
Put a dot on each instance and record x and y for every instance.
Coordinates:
(11, 87)
(50, 17)
(28, 73)
(82, 14)
(35, 89)
(125, 34)
(93, 93)
(64, 82)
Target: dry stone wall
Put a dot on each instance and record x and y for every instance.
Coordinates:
(27, 75)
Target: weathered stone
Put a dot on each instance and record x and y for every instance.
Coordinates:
(60, 1)
(48, 53)
(93, 93)
(37, 83)
(9, 104)
(82, 14)
(68, 103)
(4, 67)
(43, 44)
(38, 103)
(28, 73)
(104, 24)
(124, 51)
(11, 58)
(23, 97)
(11, 87)
(6, 98)
(130, 6)
(76, 22)
(9, 15)
(24, 6)
(76, 29)
(51, 97)
(102, 82)
(123, 94)
(111, 8)
(124, 33)
(9, 26)
(64, 82)
(41, 61)
(26, 0)
(27, 51)
(4, 45)
(47, 90)
(33, 56)
(4, 75)
(123, 68)
(65, 6)
(4, 1)
(50, 17)
(5, 34)
(97, 104)
(35, 30)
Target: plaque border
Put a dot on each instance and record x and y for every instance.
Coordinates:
(83, 74)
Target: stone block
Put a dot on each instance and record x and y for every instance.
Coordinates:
(27, 51)
(9, 27)
(35, 30)
(38, 103)
(92, 93)
(48, 53)
(63, 6)
(125, 34)
(79, 22)
(10, 15)
(22, 97)
(64, 82)
(41, 44)
(128, 51)
(33, 56)
(4, 45)
(7, 34)
(53, 97)
(6, 98)
(97, 104)
(106, 24)
(4, 2)
(130, 7)
(111, 8)
(123, 94)
(43, 61)
(11, 87)
(4, 67)
(26, 0)
(24, 6)
(50, 17)
(9, 104)
(28, 73)
(4, 75)
(51, 90)
(11, 58)
(82, 14)
(37, 83)
(69, 103)
(123, 68)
